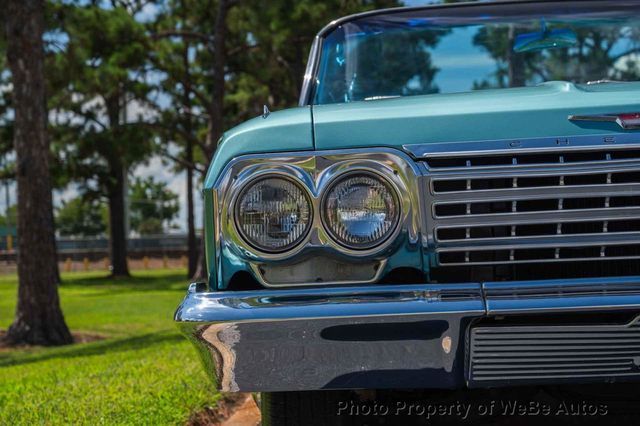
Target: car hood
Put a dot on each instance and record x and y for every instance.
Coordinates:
(529, 112)
(288, 130)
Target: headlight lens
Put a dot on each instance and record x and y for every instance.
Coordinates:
(361, 211)
(273, 214)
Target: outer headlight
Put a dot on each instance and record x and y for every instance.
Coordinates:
(361, 210)
(273, 214)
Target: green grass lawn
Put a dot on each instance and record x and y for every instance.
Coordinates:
(145, 372)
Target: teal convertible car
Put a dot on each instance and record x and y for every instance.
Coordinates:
(455, 203)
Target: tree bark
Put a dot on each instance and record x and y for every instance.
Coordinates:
(117, 227)
(39, 319)
(517, 77)
(216, 106)
(188, 128)
(192, 242)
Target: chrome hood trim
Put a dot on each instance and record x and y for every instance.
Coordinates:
(523, 146)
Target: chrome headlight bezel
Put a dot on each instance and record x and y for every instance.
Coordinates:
(335, 181)
(252, 183)
(315, 172)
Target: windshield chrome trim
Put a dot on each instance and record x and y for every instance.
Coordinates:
(310, 75)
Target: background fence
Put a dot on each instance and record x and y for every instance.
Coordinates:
(152, 246)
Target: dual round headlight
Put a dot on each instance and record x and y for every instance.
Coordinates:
(359, 211)
(273, 214)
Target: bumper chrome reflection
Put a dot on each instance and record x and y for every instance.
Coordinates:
(395, 336)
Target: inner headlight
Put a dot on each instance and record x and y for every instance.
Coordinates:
(273, 214)
(360, 211)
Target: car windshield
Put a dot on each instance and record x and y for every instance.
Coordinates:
(460, 49)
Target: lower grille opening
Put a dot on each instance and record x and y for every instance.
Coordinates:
(554, 353)
(243, 281)
(404, 276)
(537, 271)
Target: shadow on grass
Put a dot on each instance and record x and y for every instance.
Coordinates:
(90, 349)
(170, 281)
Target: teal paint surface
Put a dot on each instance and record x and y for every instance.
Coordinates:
(527, 112)
(209, 239)
(288, 130)
(530, 112)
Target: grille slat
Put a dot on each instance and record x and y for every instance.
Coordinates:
(515, 163)
(554, 360)
(553, 240)
(556, 216)
(535, 208)
(519, 193)
(522, 371)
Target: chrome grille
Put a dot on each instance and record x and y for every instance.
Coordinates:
(572, 205)
(502, 355)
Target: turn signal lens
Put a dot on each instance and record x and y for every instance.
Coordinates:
(273, 214)
(360, 211)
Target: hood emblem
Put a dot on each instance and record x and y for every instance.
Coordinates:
(628, 120)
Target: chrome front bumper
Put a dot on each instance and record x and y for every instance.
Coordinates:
(374, 337)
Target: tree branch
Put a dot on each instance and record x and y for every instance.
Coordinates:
(184, 162)
(623, 54)
(184, 34)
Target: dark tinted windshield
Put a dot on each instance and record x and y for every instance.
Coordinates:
(445, 51)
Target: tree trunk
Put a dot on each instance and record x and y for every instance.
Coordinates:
(191, 223)
(117, 237)
(216, 107)
(39, 318)
(188, 128)
(517, 77)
